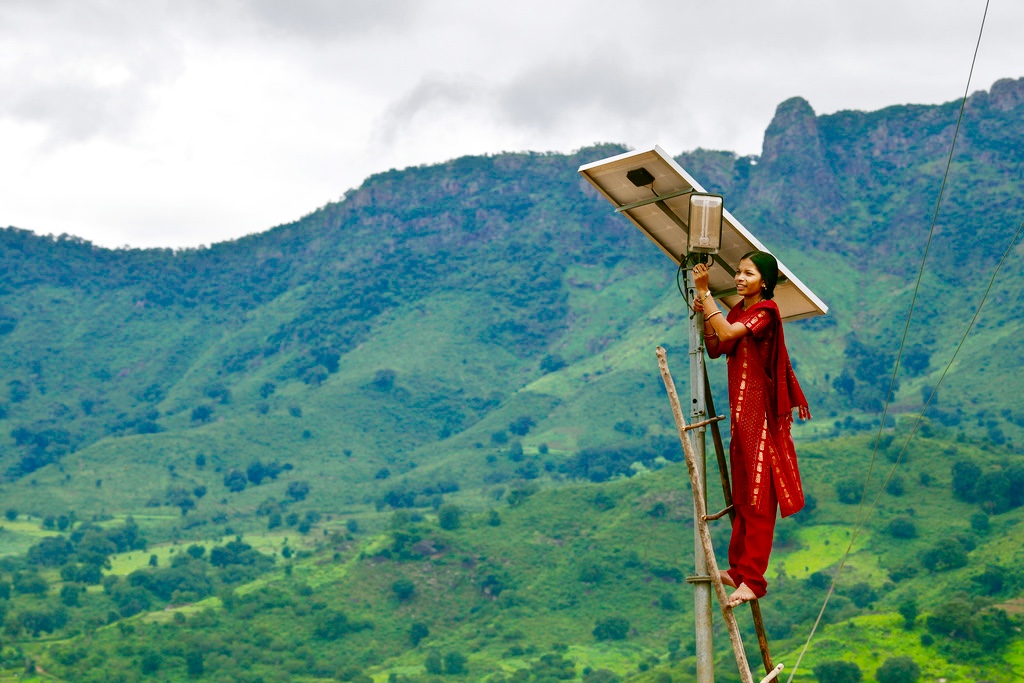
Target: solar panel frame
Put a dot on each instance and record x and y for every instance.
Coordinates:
(661, 211)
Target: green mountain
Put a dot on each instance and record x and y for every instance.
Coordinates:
(479, 335)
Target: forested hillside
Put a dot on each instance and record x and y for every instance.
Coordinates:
(435, 403)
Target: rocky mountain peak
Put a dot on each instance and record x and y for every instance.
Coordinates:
(1007, 94)
(793, 131)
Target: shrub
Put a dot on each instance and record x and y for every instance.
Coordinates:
(990, 581)
(895, 486)
(992, 492)
(669, 602)
(611, 628)
(861, 594)
(449, 517)
(297, 490)
(965, 477)
(404, 589)
(433, 663)
(837, 672)
(947, 554)
(202, 413)
(417, 632)
(849, 491)
(69, 594)
(454, 663)
(902, 527)
(235, 481)
(521, 426)
(383, 380)
(194, 663)
(898, 670)
(908, 610)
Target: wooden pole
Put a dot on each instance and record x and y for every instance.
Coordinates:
(723, 472)
(705, 535)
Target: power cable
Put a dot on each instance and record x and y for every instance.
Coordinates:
(892, 383)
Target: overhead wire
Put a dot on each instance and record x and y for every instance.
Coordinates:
(892, 383)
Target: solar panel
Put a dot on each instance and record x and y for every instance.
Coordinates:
(660, 209)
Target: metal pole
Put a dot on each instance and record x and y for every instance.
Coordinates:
(701, 581)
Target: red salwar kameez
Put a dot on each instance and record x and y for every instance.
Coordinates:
(762, 394)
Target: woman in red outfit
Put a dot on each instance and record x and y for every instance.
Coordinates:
(762, 394)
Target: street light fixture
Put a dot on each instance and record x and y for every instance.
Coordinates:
(705, 222)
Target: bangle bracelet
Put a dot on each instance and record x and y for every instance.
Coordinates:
(710, 335)
(713, 314)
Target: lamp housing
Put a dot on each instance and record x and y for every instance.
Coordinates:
(705, 222)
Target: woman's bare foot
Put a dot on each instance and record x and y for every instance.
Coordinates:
(726, 579)
(741, 595)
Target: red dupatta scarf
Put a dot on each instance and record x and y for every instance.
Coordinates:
(763, 391)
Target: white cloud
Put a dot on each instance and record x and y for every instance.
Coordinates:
(164, 122)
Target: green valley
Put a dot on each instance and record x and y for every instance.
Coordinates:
(419, 434)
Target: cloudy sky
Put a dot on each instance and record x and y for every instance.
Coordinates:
(187, 122)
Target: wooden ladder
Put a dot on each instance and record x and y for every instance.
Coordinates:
(772, 672)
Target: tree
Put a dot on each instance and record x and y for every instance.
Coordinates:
(895, 486)
(316, 375)
(51, 552)
(992, 492)
(11, 514)
(235, 481)
(333, 624)
(849, 491)
(30, 583)
(404, 589)
(384, 380)
(417, 632)
(202, 413)
(297, 490)
(611, 628)
(898, 670)
(965, 477)
(522, 425)
(449, 517)
(837, 672)
(454, 663)
(952, 618)
(150, 662)
(908, 610)
(69, 594)
(255, 472)
(552, 363)
(194, 663)
(433, 663)
(947, 554)
(902, 527)
(861, 594)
